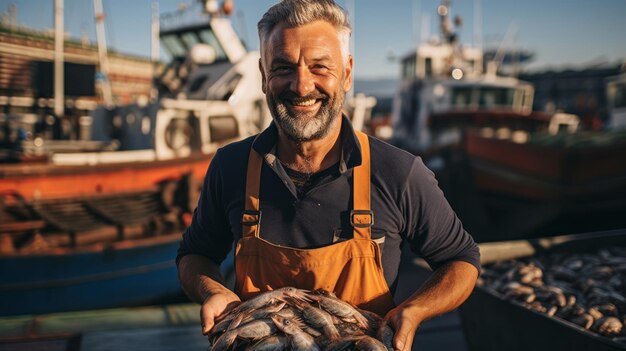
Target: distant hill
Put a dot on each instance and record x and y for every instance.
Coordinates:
(381, 87)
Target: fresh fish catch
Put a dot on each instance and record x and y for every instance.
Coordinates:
(296, 319)
(585, 289)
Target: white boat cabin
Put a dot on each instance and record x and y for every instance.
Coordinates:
(616, 96)
(443, 78)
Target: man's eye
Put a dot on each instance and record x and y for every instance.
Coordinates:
(320, 68)
(281, 69)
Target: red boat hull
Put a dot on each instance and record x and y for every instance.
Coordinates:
(47, 181)
(545, 172)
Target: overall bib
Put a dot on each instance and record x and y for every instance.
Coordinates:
(352, 269)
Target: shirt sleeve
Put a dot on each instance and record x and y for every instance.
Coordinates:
(209, 233)
(434, 231)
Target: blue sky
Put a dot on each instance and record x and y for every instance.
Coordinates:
(561, 33)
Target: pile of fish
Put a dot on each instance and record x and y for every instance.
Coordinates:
(587, 289)
(296, 319)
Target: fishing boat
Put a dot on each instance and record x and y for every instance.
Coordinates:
(508, 171)
(563, 179)
(94, 221)
(564, 183)
(444, 91)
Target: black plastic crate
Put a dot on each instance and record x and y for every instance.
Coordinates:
(492, 323)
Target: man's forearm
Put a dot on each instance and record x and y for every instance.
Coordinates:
(447, 288)
(203, 283)
(200, 277)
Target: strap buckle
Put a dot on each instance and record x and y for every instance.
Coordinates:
(361, 218)
(250, 217)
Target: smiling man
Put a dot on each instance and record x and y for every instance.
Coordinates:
(305, 80)
(312, 203)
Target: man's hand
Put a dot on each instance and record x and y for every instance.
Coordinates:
(215, 307)
(443, 291)
(404, 322)
(203, 283)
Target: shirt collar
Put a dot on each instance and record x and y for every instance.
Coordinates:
(265, 145)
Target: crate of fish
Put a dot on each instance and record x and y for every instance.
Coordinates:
(296, 319)
(559, 293)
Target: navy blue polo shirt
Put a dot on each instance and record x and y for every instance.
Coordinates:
(406, 201)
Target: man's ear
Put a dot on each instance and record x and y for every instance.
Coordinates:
(347, 83)
(263, 80)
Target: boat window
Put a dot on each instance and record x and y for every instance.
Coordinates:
(178, 134)
(523, 99)
(409, 107)
(471, 64)
(408, 68)
(428, 67)
(496, 97)
(461, 97)
(619, 100)
(174, 46)
(208, 37)
(222, 128)
(226, 89)
(146, 125)
(190, 39)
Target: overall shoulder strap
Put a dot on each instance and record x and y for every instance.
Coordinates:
(361, 216)
(251, 216)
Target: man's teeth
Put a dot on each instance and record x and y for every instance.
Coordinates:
(304, 102)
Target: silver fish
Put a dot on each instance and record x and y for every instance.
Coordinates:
(363, 343)
(385, 334)
(261, 313)
(317, 318)
(270, 343)
(298, 339)
(254, 330)
(270, 297)
(340, 309)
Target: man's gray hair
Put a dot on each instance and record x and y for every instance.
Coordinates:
(295, 13)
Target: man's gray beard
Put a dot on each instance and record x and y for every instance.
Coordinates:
(302, 127)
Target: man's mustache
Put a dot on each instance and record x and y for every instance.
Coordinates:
(295, 98)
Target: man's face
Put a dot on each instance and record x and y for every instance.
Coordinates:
(305, 79)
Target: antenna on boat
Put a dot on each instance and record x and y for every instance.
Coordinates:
(155, 46)
(59, 94)
(493, 65)
(155, 52)
(425, 31)
(416, 8)
(445, 26)
(107, 94)
(478, 24)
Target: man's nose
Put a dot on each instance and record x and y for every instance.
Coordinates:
(303, 83)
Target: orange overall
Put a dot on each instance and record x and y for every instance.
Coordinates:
(351, 268)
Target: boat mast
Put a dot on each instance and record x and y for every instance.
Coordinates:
(445, 25)
(59, 94)
(415, 21)
(155, 32)
(156, 27)
(107, 95)
(478, 25)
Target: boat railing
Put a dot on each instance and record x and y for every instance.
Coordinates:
(565, 121)
(38, 226)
